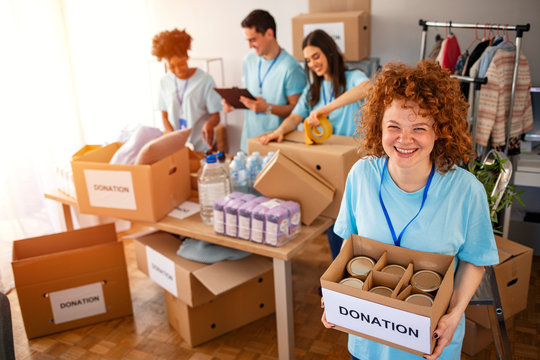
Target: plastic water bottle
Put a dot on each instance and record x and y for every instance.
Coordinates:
(213, 184)
(267, 158)
(239, 180)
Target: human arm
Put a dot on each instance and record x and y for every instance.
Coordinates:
(323, 317)
(259, 105)
(226, 106)
(352, 95)
(167, 127)
(468, 277)
(208, 129)
(289, 124)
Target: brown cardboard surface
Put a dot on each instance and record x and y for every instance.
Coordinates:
(513, 275)
(63, 261)
(157, 188)
(199, 283)
(318, 6)
(248, 302)
(476, 338)
(332, 159)
(356, 32)
(285, 178)
(357, 245)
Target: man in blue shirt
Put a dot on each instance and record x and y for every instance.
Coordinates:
(270, 74)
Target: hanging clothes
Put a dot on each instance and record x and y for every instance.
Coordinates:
(476, 53)
(460, 64)
(450, 52)
(494, 102)
(436, 48)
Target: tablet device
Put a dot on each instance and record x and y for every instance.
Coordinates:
(232, 96)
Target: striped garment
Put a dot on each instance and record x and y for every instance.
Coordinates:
(494, 100)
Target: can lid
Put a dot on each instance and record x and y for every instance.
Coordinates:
(426, 280)
(353, 282)
(394, 269)
(360, 265)
(381, 290)
(419, 299)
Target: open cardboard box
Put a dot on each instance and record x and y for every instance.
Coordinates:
(71, 279)
(132, 192)
(390, 321)
(332, 159)
(302, 185)
(192, 282)
(513, 276)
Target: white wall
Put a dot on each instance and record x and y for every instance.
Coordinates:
(395, 33)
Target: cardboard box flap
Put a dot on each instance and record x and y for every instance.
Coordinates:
(104, 154)
(91, 236)
(226, 275)
(508, 249)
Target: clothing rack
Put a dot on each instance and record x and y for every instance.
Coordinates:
(519, 29)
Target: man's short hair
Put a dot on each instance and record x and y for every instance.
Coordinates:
(261, 20)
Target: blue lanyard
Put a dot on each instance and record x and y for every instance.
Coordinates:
(324, 95)
(267, 70)
(397, 241)
(180, 99)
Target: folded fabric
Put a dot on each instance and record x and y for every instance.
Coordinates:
(208, 253)
(162, 147)
(128, 152)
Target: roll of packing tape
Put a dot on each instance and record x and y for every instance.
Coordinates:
(313, 134)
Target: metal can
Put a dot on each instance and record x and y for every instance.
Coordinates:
(394, 269)
(353, 282)
(419, 299)
(360, 266)
(381, 290)
(426, 280)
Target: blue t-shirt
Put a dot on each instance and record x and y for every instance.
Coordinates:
(454, 221)
(343, 118)
(199, 100)
(285, 78)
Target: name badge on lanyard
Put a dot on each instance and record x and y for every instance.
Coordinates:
(261, 81)
(182, 123)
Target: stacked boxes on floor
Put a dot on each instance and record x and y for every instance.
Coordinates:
(205, 301)
(70, 279)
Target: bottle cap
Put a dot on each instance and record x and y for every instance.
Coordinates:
(381, 290)
(360, 266)
(419, 299)
(353, 282)
(394, 269)
(211, 159)
(426, 280)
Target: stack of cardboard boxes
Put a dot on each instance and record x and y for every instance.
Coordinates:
(346, 21)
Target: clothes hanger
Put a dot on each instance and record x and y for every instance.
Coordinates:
(475, 40)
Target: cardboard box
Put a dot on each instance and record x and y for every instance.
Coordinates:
(318, 6)
(192, 282)
(349, 29)
(132, 192)
(304, 186)
(71, 279)
(332, 159)
(245, 303)
(390, 321)
(477, 337)
(513, 278)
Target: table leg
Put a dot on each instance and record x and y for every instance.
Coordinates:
(284, 308)
(68, 220)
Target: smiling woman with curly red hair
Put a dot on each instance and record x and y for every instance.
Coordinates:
(409, 191)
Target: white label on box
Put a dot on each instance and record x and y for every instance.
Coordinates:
(336, 30)
(244, 227)
(257, 227)
(110, 189)
(219, 225)
(77, 303)
(161, 270)
(185, 209)
(381, 321)
(230, 224)
(271, 233)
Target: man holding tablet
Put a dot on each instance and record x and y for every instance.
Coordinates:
(270, 74)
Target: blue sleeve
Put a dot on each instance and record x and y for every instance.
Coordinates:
(479, 247)
(302, 108)
(356, 77)
(296, 81)
(213, 100)
(345, 224)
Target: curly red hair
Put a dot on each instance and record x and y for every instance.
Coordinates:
(436, 94)
(167, 44)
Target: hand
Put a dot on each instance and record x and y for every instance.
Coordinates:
(313, 118)
(226, 106)
(444, 333)
(208, 133)
(272, 135)
(259, 105)
(323, 318)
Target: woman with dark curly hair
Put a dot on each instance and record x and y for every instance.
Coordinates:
(409, 190)
(187, 98)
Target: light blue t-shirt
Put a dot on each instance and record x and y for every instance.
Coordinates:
(454, 221)
(343, 118)
(198, 101)
(285, 78)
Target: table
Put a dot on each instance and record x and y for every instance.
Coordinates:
(281, 256)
